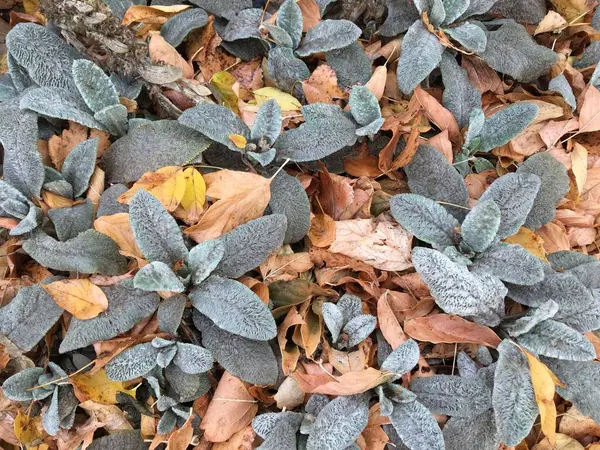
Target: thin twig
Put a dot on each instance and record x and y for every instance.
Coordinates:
(63, 378)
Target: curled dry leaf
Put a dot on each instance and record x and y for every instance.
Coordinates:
(161, 51)
(80, 297)
(151, 14)
(118, 228)
(529, 241)
(182, 437)
(348, 384)
(450, 329)
(311, 14)
(439, 115)
(322, 230)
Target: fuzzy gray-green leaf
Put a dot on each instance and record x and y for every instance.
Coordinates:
(359, 328)
(157, 276)
(403, 358)
(511, 263)
(70, 222)
(170, 312)
(351, 65)
(557, 340)
(114, 119)
(481, 225)
(268, 122)
(285, 69)
(477, 431)
(79, 165)
(401, 14)
(192, 359)
(130, 440)
(470, 36)
(460, 95)
(506, 124)
(204, 258)
(364, 105)
(328, 35)
(132, 363)
(561, 85)
(289, 198)
(179, 26)
(17, 387)
(94, 85)
(455, 9)
(417, 428)
(289, 17)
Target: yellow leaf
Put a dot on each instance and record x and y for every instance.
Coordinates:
(552, 22)
(171, 191)
(573, 9)
(117, 228)
(55, 200)
(81, 297)
(238, 140)
(579, 161)
(98, 387)
(25, 428)
(544, 385)
(285, 101)
(151, 14)
(563, 442)
(193, 199)
(529, 241)
(223, 82)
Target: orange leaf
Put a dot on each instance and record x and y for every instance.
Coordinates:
(96, 188)
(529, 241)
(161, 51)
(322, 230)
(376, 83)
(439, 115)
(151, 14)
(450, 329)
(231, 409)
(117, 227)
(289, 350)
(589, 117)
(55, 200)
(80, 297)
(311, 14)
(348, 384)
(238, 140)
(388, 324)
(181, 438)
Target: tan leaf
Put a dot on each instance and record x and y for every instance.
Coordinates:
(529, 241)
(56, 201)
(118, 228)
(576, 425)
(289, 350)
(555, 237)
(347, 384)
(579, 161)
(242, 440)
(439, 115)
(563, 442)
(345, 362)
(171, 191)
(450, 329)
(231, 409)
(388, 323)
(242, 197)
(285, 267)
(60, 146)
(381, 244)
(289, 395)
(322, 86)
(111, 415)
(589, 117)
(573, 9)
(312, 328)
(552, 22)
(151, 14)
(96, 188)
(376, 83)
(161, 51)
(322, 230)
(98, 387)
(311, 14)
(182, 437)
(80, 297)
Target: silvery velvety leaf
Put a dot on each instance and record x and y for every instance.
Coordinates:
(23, 168)
(17, 386)
(157, 276)
(453, 395)
(417, 428)
(328, 35)
(204, 258)
(170, 312)
(590, 56)
(534, 316)
(285, 69)
(60, 104)
(569, 259)
(114, 119)
(560, 84)
(511, 263)
(514, 194)
(476, 123)
(132, 363)
(252, 361)
(220, 8)
(515, 408)
(511, 50)
(108, 201)
(188, 387)
(79, 165)
(155, 231)
(45, 56)
(557, 340)
(477, 431)
(20, 322)
(529, 11)
(149, 147)
(247, 246)
(289, 17)
(180, 25)
(192, 359)
(401, 14)
(467, 368)
(481, 225)
(554, 186)
(351, 65)
(89, 252)
(94, 85)
(284, 435)
(339, 423)
(61, 412)
(167, 422)
(403, 358)
(265, 424)
(234, 308)
(455, 9)
(431, 175)
(470, 36)
(18, 75)
(268, 122)
(370, 129)
(289, 198)
(421, 53)
(460, 95)
(434, 9)
(126, 87)
(279, 35)
(588, 274)
(325, 131)
(359, 328)
(581, 385)
(7, 88)
(70, 222)
(216, 122)
(126, 307)
(244, 25)
(458, 291)
(246, 49)
(334, 320)
(130, 439)
(364, 105)
(425, 219)
(506, 124)
(33, 218)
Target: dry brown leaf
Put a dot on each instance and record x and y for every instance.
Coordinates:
(376, 83)
(289, 350)
(589, 116)
(56, 201)
(439, 115)
(348, 384)
(285, 267)
(345, 362)
(98, 387)
(573, 9)
(311, 14)
(441, 142)
(60, 146)
(576, 425)
(289, 395)
(96, 188)
(563, 442)
(382, 244)
(118, 228)
(322, 86)
(161, 51)
(450, 329)
(554, 130)
(110, 415)
(80, 297)
(555, 237)
(553, 21)
(322, 230)
(388, 322)
(335, 193)
(242, 440)
(151, 14)
(308, 334)
(182, 437)
(231, 409)
(579, 165)
(242, 197)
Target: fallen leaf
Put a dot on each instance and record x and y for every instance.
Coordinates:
(26, 428)
(573, 9)
(96, 187)
(576, 425)
(151, 14)
(529, 241)
(242, 440)
(110, 415)
(181, 438)
(231, 409)
(161, 51)
(388, 323)
(60, 146)
(118, 228)
(322, 86)
(553, 21)
(589, 117)
(289, 395)
(450, 329)
(382, 244)
(285, 101)
(311, 329)
(289, 350)
(56, 201)
(347, 384)
(192, 203)
(311, 14)
(98, 387)
(238, 140)
(80, 297)
(171, 191)
(241, 197)
(322, 230)
(563, 442)
(223, 81)
(376, 83)
(345, 362)
(285, 267)
(439, 115)
(555, 237)
(579, 165)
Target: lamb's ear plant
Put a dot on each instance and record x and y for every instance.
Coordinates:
(346, 323)
(51, 387)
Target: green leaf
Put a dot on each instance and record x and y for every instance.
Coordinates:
(557, 340)
(364, 105)
(155, 231)
(89, 252)
(289, 198)
(79, 165)
(507, 124)
(470, 36)
(481, 225)
(285, 69)
(289, 17)
(268, 122)
(94, 85)
(460, 95)
(70, 222)
(157, 276)
(328, 35)
(234, 308)
(417, 428)
(511, 263)
(421, 53)
(351, 65)
(134, 362)
(114, 118)
(204, 258)
(400, 16)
